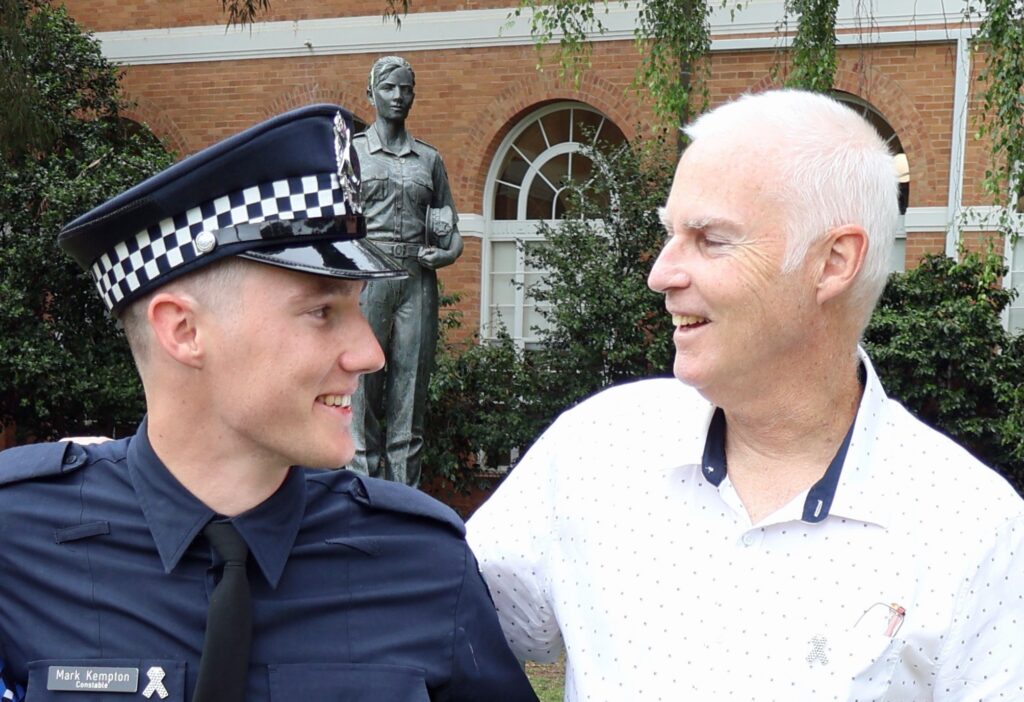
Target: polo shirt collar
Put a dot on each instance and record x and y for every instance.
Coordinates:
(175, 516)
(861, 493)
(375, 144)
(847, 487)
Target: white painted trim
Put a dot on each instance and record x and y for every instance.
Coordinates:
(461, 29)
(471, 225)
(926, 219)
(958, 147)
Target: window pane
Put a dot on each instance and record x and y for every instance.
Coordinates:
(503, 257)
(538, 206)
(556, 170)
(1017, 319)
(556, 126)
(561, 202)
(898, 256)
(533, 318)
(531, 142)
(514, 168)
(506, 202)
(610, 134)
(502, 290)
(534, 279)
(502, 316)
(580, 168)
(585, 126)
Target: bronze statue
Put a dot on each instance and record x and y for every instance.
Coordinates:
(410, 215)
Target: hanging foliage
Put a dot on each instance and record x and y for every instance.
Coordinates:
(1000, 41)
(813, 54)
(673, 37)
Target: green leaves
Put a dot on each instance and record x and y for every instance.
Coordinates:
(1000, 43)
(674, 36)
(64, 367)
(814, 44)
(938, 343)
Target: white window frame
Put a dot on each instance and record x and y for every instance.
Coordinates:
(522, 231)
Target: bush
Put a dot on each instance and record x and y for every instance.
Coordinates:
(605, 326)
(64, 367)
(489, 401)
(938, 343)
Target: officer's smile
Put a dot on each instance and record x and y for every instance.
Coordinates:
(342, 401)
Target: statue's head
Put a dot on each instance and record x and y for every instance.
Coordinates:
(391, 87)
(384, 67)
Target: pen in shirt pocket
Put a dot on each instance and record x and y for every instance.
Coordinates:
(897, 613)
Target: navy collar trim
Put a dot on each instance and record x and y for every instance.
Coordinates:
(819, 497)
(175, 516)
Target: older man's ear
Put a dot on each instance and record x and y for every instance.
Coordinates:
(847, 246)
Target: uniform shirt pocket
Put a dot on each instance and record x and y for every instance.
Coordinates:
(375, 187)
(106, 680)
(422, 186)
(347, 682)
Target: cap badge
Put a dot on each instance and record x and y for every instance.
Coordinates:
(347, 177)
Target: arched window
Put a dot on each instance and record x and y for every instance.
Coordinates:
(527, 185)
(871, 114)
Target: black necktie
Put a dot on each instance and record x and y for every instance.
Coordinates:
(224, 667)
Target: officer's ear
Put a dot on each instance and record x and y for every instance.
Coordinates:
(172, 317)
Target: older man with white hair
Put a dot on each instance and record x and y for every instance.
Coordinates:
(773, 527)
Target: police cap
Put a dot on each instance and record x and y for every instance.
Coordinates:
(284, 192)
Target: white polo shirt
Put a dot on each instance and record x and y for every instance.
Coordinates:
(609, 537)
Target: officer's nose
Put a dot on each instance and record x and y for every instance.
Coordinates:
(362, 353)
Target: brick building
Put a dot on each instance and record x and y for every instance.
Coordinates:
(508, 132)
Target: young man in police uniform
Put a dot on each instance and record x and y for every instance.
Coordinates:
(195, 560)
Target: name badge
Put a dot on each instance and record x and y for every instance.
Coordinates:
(81, 678)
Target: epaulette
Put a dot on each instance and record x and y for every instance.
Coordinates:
(395, 497)
(420, 141)
(40, 461)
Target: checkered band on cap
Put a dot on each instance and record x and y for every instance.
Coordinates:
(171, 243)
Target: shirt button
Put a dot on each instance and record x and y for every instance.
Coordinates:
(749, 539)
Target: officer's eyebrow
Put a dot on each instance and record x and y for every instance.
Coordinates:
(325, 286)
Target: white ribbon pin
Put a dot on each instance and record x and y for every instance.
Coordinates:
(156, 675)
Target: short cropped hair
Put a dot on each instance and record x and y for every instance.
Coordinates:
(833, 168)
(213, 286)
(384, 67)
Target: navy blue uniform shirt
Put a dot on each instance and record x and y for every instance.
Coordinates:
(363, 591)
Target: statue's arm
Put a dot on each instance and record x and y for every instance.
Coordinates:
(450, 248)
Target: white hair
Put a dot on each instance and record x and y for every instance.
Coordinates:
(832, 168)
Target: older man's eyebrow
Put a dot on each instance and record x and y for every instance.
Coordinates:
(698, 224)
(664, 218)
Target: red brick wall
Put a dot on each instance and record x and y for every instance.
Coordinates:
(112, 15)
(912, 86)
(921, 243)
